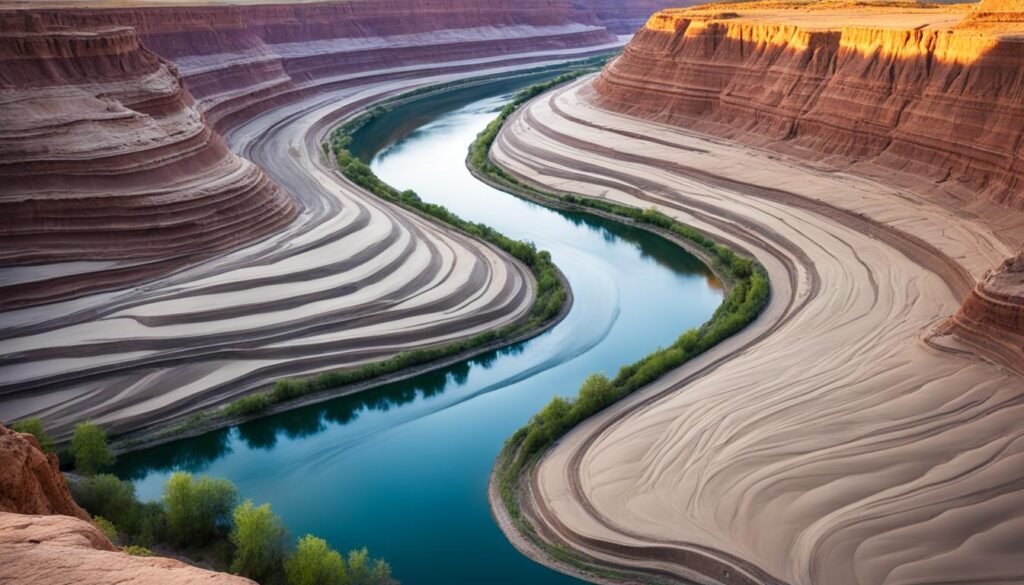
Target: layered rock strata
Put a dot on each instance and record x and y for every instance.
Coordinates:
(346, 281)
(827, 442)
(932, 102)
(107, 173)
(991, 318)
(45, 538)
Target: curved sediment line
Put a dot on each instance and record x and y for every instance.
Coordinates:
(352, 280)
(825, 443)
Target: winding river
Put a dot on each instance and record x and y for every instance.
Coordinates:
(403, 469)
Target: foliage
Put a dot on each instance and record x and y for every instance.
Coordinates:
(315, 563)
(362, 570)
(261, 542)
(107, 496)
(198, 510)
(89, 448)
(137, 551)
(747, 296)
(249, 405)
(34, 427)
(106, 527)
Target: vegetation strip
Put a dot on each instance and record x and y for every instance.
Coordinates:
(748, 294)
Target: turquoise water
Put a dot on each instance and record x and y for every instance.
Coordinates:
(403, 469)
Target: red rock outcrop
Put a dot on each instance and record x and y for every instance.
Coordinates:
(911, 98)
(45, 538)
(52, 550)
(30, 481)
(104, 161)
(992, 316)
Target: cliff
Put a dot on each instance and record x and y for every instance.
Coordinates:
(113, 168)
(929, 98)
(992, 316)
(908, 95)
(104, 162)
(45, 538)
(31, 482)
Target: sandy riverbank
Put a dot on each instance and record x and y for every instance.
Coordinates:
(827, 443)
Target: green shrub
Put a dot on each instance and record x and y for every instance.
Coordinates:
(89, 448)
(261, 542)
(106, 527)
(34, 427)
(315, 563)
(137, 551)
(198, 510)
(107, 496)
(249, 405)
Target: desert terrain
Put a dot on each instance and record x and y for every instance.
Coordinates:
(856, 433)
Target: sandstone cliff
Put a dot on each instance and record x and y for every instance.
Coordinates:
(31, 482)
(931, 98)
(104, 162)
(992, 316)
(45, 538)
(931, 102)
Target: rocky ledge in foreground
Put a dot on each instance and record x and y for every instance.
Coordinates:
(45, 538)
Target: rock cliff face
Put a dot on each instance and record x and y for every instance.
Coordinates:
(932, 99)
(113, 171)
(933, 103)
(105, 163)
(31, 482)
(992, 316)
(45, 538)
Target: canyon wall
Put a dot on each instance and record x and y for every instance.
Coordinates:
(45, 538)
(114, 170)
(108, 174)
(934, 104)
(937, 108)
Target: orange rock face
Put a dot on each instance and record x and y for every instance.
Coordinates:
(51, 550)
(992, 315)
(104, 159)
(45, 538)
(30, 481)
(930, 102)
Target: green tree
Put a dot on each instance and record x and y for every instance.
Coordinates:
(198, 510)
(260, 541)
(89, 448)
(315, 563)
(34, 427)
(362, 570)
(107, 496)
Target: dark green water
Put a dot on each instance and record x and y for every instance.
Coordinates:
(403, 469)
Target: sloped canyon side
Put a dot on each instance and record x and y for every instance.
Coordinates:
(865, 429)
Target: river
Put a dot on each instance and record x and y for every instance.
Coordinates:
(403, 469)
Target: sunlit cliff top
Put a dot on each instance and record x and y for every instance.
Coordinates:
(997, 17)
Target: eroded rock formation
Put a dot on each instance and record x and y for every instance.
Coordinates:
(45, 538)
(909, 96)
(105, 163)
(992, 316)
(30, 481)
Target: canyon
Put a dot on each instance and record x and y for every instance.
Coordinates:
(172, 229)
(46, 538)
(864, 429)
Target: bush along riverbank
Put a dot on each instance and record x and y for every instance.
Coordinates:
(551, 292)
(748, 294)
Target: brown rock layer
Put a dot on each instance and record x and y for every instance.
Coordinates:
(103, 158)
(992, 316)
(45, 550)
(30, 480)
(930, 103)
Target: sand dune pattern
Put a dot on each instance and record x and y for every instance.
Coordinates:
(830, 442)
